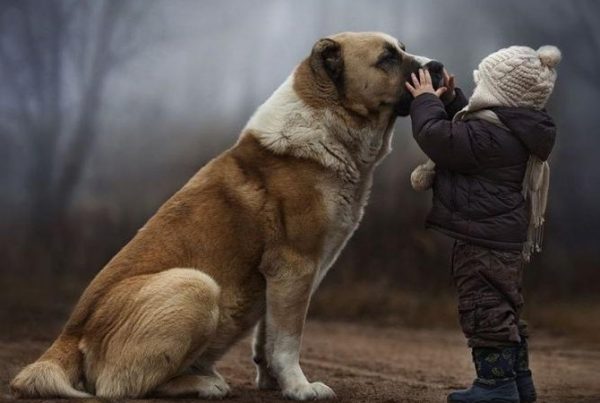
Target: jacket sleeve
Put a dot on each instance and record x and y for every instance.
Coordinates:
(446, 143)
(459, 102)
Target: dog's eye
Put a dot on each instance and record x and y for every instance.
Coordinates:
(388, 59)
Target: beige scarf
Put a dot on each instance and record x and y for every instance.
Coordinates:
(535, 185)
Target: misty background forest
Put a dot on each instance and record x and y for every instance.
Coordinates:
(108, 107)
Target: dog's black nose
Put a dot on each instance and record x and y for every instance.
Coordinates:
(434, 67)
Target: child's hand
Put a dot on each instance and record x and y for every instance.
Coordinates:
(423, 85)
(449, 83)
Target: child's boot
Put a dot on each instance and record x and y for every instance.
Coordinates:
(495, 377)
(524, 379)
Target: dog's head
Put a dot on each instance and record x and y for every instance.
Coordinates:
(365, 72)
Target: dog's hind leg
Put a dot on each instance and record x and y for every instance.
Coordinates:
(198, 380)
(163, 322)
(209, 386)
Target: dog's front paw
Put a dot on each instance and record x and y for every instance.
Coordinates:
(309, 391)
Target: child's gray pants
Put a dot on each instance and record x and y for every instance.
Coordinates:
(490, 301)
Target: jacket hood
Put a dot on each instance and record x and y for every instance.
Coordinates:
(535, 128)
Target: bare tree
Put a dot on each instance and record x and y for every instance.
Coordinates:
(55, 59)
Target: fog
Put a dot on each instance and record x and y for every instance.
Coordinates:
(108, 107)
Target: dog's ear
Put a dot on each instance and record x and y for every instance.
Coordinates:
(326, 59)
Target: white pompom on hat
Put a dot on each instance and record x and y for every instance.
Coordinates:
(549, 55)
(517, 76)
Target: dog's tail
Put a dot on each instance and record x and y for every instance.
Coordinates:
(53, 374)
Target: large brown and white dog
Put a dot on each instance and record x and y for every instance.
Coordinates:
(244, 243)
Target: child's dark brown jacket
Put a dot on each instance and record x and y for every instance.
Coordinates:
(480, 168)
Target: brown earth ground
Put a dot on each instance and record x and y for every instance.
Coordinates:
(369, 363)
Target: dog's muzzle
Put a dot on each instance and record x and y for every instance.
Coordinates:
(436, 70)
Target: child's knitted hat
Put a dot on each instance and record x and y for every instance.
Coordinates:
(516, 76)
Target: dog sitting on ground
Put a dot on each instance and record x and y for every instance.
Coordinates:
(243, 244)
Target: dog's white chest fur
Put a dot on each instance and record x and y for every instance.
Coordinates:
(344, 211)
(286, 125)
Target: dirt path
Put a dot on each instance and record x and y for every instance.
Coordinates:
(363, 363)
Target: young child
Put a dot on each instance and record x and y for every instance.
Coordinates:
(490, 181)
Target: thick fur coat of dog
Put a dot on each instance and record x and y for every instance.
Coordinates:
(243, 244)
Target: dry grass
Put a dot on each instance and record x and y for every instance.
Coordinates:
(381, 304)
(575, 318)
(27, 303)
